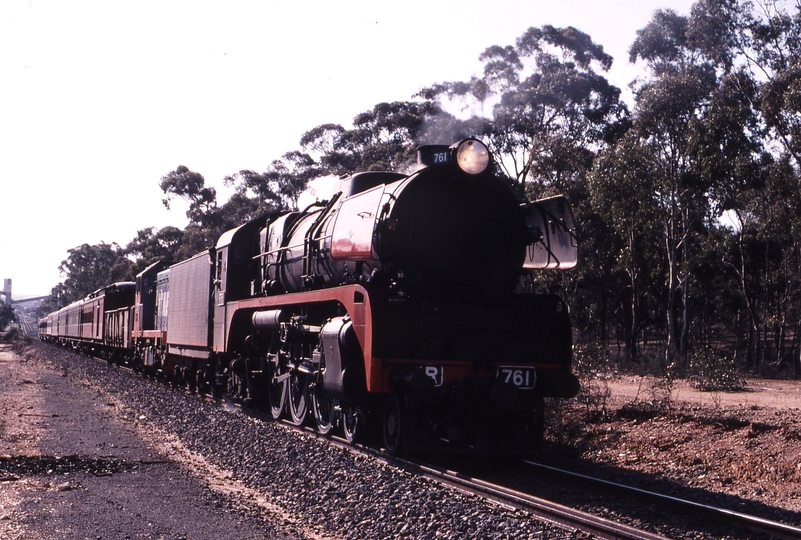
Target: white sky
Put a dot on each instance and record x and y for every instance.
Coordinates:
(99, 99)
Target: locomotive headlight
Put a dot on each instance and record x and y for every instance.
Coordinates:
(472, 156)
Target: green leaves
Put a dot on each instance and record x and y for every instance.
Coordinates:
(384, 138)
(87, 268)
(7, 316)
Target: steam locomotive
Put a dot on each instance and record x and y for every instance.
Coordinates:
(391, 308)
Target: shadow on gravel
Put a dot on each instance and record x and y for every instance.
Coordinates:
(14, 467)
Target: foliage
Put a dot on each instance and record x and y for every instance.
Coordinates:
(715, 371)
(7, 316)
(190, 186)
(591, 365)
(549, 106)
(663, 387)
(621, 187)
(15, 335)
(55, 301)
(87, 268)
(151, 245)
(276, 189)
(669, 106)
(383, 139)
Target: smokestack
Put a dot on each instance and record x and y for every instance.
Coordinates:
(7, 291)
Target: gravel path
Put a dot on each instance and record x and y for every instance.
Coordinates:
(71, 469)
(776, 394)
(182, 460)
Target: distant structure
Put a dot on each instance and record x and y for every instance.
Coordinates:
(5, 295)
(6, 291)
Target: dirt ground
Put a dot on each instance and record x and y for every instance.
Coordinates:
(746, 444)
(782, 395)
(74, 465)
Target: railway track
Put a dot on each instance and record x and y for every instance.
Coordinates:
(772, 529)
(561, 515)
(567, 516)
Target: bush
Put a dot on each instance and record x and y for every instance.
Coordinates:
(591, 364)
(714, 371)
(13, 334)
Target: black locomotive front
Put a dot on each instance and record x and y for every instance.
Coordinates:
(439, 253)
(447, 233)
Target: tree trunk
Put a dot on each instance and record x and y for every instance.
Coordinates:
(752, 344)
(631, 344)
(685, 285)
(670, 349)
(796, 352)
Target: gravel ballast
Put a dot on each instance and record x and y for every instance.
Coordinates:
(292, 483)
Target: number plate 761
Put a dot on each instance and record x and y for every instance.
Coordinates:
(521, 377)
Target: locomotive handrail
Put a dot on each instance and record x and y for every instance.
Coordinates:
(286, 248)
(560, 224)
(550, 220)
(308, 249)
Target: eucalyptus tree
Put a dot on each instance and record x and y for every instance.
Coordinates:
(276, 189)
(771, 41)
(774, 38)
(203, 211)
(208, 219)
(151, 245)
(190, 186)
(751, 138)
(731, 154)
(7, 316)
(672, 107)
(550, 108)
(90, 267)
(56, 300)
(623, 191)
(384, 138)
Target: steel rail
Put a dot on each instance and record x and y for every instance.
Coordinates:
(774, 529)
(560, 515)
